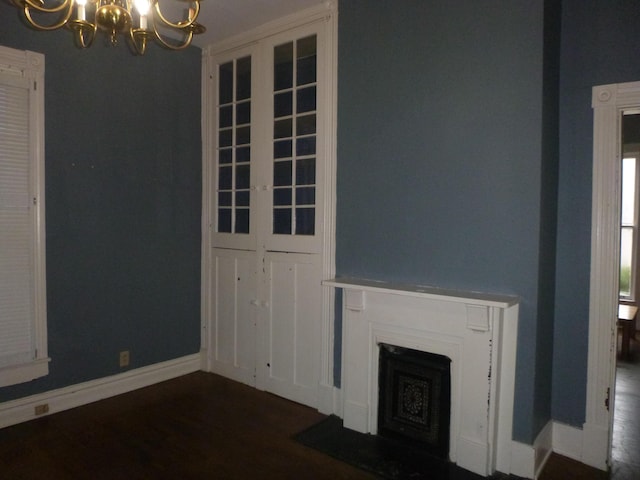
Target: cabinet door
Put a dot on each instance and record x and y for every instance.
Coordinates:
(289, 327)
(233, 315)
(296, 105)
(234, 173)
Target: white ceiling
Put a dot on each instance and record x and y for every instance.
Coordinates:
(226, 18)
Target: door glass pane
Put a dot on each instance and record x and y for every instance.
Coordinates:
(283, 66)
(282, 196)
(233, 149)
(226, 116)
(306, 171)
(243, 113)
(242, 220)
(306, 60)
(305, 220)
(294, 111)
(282, 128)
(243, 135)
(282, 149)
(225, 94)
(306, 146)
(305, 196)
(243, 78)
(306, 124)
(282, 174)
(224, 220)
(242, 199)
(282, 104)
(282, 221)
(306, 100)
(224, 199)
(626, 257)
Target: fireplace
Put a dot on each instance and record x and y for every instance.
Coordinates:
(476, 332)
(414, 399)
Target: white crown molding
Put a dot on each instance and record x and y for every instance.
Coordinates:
(310, 15)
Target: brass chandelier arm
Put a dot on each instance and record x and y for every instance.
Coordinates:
(182, 23)
(84, 32)
(40, 5)
(138, 37)
(180, 46)
(27, 5)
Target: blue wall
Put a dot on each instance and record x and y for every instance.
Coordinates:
(600, 45)
(440, 161)
(123, 204)
(448, 143)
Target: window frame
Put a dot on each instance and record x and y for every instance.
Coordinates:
(31, 67)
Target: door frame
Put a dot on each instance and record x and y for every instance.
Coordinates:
(327, 13)
(608, 102)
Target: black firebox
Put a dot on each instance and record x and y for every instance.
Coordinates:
(414, 400)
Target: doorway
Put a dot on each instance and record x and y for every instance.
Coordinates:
(626, 400)
(609, 103)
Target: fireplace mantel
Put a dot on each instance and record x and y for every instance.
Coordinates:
(477, 331)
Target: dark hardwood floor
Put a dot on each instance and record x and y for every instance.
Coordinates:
(625, 452)
(200, 426)
(194, 427)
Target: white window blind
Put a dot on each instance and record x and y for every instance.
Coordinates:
(16, 258)
(23, 352)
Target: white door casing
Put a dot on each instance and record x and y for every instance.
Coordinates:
(608, 102)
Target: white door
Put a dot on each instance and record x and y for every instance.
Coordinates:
(267, 168)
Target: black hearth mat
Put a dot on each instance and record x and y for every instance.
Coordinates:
(384, 457)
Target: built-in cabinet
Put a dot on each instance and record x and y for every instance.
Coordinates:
(268, 221)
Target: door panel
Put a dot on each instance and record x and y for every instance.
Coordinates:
(233, 314)
(291, 325)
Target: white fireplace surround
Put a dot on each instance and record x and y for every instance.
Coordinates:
(478, 332)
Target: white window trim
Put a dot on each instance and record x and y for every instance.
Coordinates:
(31, 66)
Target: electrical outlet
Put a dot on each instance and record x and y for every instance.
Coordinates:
(42, 409)
(124, 358)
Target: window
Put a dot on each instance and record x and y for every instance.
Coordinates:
(23, 346)
(628, 228)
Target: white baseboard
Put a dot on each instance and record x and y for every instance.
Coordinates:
(329, 400)
(527, 461)
(23, 409)
(567, 441)
(523, 460)
(595, 444)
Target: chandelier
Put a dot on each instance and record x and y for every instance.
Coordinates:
(138, 21)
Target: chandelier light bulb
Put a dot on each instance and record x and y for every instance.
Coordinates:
(80, 9)
(142, 6)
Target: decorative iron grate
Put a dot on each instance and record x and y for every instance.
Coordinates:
(414, 401)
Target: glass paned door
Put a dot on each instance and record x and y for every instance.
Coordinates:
(234, 146)
(294, 137)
